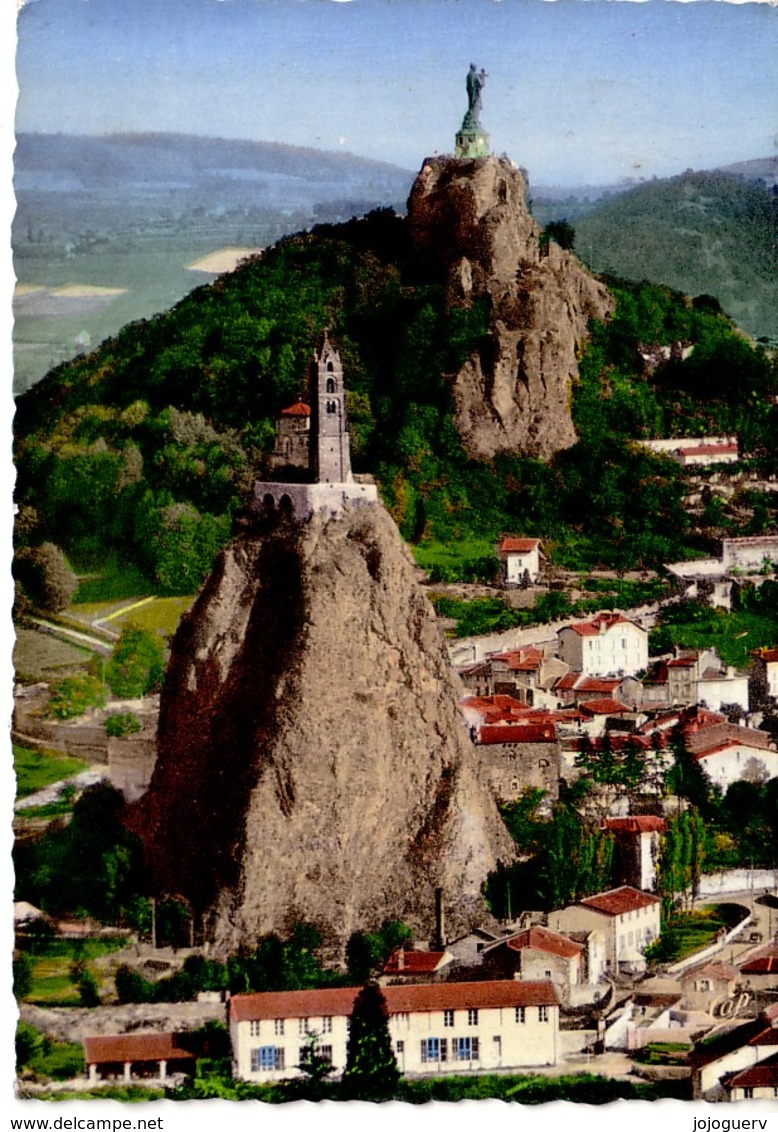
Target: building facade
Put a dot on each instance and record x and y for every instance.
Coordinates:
(608, 645)
(435, 1028)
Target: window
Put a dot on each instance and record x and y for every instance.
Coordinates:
(400, 1046)
(332, 407)
(326, 1025)
(302, 1027)
(472, 1017)
(542, 1014)
(466, 1049)
(330, 385)
(254, 1029)
(278, 1028)
(266, 1058)
(521, 1014)
(325, 1052)
(434, 1049)
(448, 1017)
(748, 1093)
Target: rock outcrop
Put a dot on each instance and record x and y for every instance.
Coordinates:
(312, 763)
(515, 395)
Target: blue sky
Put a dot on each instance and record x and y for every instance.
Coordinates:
(578, 90)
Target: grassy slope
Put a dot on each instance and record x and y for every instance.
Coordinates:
(37, 769)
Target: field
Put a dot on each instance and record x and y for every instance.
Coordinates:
(37, 769)
(39, 656)
(155, 614)
(51, 965)
(732, 635)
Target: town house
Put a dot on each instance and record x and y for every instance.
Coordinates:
(609, 644)
(435, 1028)
(627, 917)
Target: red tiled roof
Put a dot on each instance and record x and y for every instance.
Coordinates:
(762, 962)
(723, 971)
(617, 901)
(567, 682)
(299, 409)
(769, 655)
(603, 621)
(543, 939)
(135, 1047)
(684, 661)
(517, 733)
(708, 450)
(518, 545)
(760, 1076)
(603, 684)
(636, 823)
(408, 962)
(418, 998)
(606, 706)
(520, 660)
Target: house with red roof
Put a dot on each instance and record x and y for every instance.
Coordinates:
(757, 1083)
(759, 968)
(729, 753)
(408, 966)
(706, 982)
(436, 1028)
(627, 917)
(721, 1056)
(520, 754)
(610, 644)
(519, 560)
(537, 953)
(638, 838)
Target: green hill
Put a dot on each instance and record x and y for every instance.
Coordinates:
(713, 233)
(143, 452)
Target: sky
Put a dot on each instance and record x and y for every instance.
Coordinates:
(578, 91)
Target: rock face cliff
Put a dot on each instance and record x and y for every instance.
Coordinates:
(515, 395)
(312, 763)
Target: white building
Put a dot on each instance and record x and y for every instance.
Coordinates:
(728, 753)
(749, 553)
(627, 917)
(608, 645)
(435, 1028)
(519, 558)
(701, 678)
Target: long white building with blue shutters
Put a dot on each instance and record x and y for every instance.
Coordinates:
(435, 1028)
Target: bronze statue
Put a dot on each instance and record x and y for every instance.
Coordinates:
(474, 82)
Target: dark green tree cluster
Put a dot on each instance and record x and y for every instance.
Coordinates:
(371, 1072)
(274, 964)
(92, 866)
(367, 952)
(566, 857)
(681, 857)
(137, 664)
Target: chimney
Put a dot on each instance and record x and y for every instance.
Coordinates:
(401, 959)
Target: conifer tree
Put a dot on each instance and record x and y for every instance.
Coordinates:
(371, 1072)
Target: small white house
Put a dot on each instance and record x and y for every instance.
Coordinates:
(519, 560)
(435, 1028)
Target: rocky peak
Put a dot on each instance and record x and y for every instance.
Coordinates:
(513, 396)
(312, 763)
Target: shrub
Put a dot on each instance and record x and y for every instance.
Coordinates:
(120, 724)
(73, 695)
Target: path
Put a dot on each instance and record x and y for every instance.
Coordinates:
(55, 630)
(124, 609)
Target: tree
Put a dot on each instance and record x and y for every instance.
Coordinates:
(371, 1072)
(45, 576)
(137, 663)
(562, 232)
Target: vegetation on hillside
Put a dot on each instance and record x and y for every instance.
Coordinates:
(705, 231)
(145, 450)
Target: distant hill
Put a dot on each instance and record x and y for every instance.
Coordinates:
(764, 169)
(127, 213)
(702, 233)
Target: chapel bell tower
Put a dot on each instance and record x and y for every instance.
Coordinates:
(330, 454)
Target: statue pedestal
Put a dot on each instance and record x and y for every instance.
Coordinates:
(472, 142)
